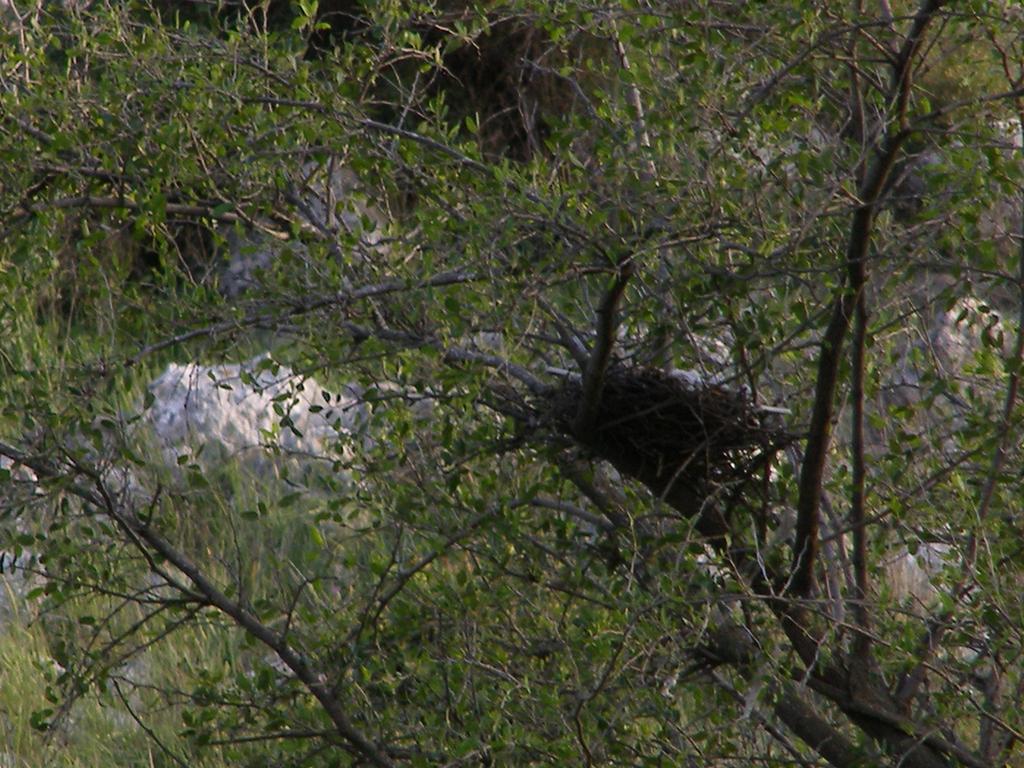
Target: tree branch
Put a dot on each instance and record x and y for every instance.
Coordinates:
(869, 193)
(858, 522)
(732, 644)
(314, 682)
(642, 137)
(600, 355)
(340, 298)
(815, 731)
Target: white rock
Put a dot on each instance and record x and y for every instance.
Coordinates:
(20, 476)
(249, 408)
(911, 576)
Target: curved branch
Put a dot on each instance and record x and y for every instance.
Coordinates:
(143, 533)
(247, 621)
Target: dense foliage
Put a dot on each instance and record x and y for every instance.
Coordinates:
(678, 333)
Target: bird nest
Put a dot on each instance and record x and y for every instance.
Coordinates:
(672, 434)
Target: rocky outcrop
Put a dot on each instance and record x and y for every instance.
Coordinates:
(256, 413)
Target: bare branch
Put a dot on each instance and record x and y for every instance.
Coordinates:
(642, 135)
(572, 510)
(608, 500)
(844, 305)
(600, 355)
(93, 201)
(732, 644)
(567, 335)
(858, 522)
(815, 731)
(341, 298)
